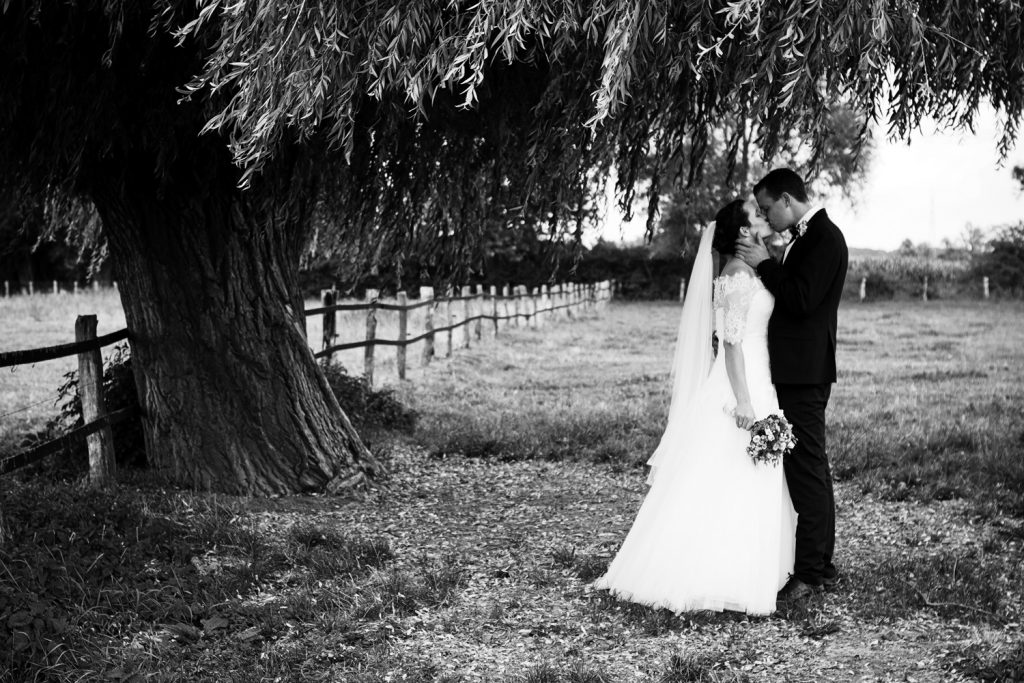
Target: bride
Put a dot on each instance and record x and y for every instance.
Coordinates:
(715, 531)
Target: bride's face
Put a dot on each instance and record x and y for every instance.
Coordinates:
(758, 225)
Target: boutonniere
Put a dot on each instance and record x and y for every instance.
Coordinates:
(799, 229)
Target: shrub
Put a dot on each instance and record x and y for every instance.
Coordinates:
(1004, 264)
(119, 392)
(368, 407)
(877, 287)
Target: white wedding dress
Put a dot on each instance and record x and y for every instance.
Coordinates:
(715, 531)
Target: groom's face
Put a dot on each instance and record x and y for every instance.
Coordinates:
(777, 211)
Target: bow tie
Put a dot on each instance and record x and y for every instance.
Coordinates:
(799, 229)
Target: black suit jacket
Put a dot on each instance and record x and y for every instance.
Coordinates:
(807, 289)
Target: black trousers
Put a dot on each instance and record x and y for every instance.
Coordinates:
(809, 478)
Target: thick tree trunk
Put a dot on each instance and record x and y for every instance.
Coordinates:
(232, 397)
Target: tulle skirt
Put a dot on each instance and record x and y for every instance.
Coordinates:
(715, 531)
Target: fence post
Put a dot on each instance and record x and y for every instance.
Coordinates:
(530, 319)
(515, 305)
(31, 287)
(74, 288)
(863, 288)
(465, 313)
(682, 289)
(329, 323)
(56, 289)
(90, 391)
(479, 306)
(427, 294)
(448, 319)
(95, 286)
(520, 301)
(371, 334)
(494, 308)
(7, 289)
(924, 289)
(984, 286)
(403, 329)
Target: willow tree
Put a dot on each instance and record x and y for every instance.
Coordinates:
(213, 136)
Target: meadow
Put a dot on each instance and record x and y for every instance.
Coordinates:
(471, 561)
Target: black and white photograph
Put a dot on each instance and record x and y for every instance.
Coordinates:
(511, 341)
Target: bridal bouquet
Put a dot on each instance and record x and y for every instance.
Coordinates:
(771, 438)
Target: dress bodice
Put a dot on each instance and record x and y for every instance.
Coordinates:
(742, 308)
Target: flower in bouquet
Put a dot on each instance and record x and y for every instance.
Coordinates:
(770, 439)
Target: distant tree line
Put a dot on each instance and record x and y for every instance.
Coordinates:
(640, 271)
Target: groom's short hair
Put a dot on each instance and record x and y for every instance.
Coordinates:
(782, 180)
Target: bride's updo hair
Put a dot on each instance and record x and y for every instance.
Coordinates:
(728, 221)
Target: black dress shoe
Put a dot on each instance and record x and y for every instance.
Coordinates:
(794, 590)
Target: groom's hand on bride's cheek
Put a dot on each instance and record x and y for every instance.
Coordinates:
(761, 250)
(752, 251)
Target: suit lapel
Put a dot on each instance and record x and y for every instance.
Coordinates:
(802, 244)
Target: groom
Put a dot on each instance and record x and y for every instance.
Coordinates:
(807, 286)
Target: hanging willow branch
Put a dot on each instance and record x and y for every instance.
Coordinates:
(432, 121)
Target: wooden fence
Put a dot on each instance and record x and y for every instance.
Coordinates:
(96, 421)
(467, 311)
(530, 306)
(862, 294)
(33, 287)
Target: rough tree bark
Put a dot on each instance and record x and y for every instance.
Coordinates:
(233, 399)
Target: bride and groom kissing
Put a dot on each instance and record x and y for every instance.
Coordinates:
(717, 531)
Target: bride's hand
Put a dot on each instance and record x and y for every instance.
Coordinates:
(744, 415)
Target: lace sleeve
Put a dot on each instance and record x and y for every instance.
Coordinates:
(732, 295)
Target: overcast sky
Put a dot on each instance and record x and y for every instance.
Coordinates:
(924, 191)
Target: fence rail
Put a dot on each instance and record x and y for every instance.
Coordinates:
(10, 358)
(37, 453)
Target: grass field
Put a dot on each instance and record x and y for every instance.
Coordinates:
(477, 568)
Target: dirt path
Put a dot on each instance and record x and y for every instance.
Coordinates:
(526, 532)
